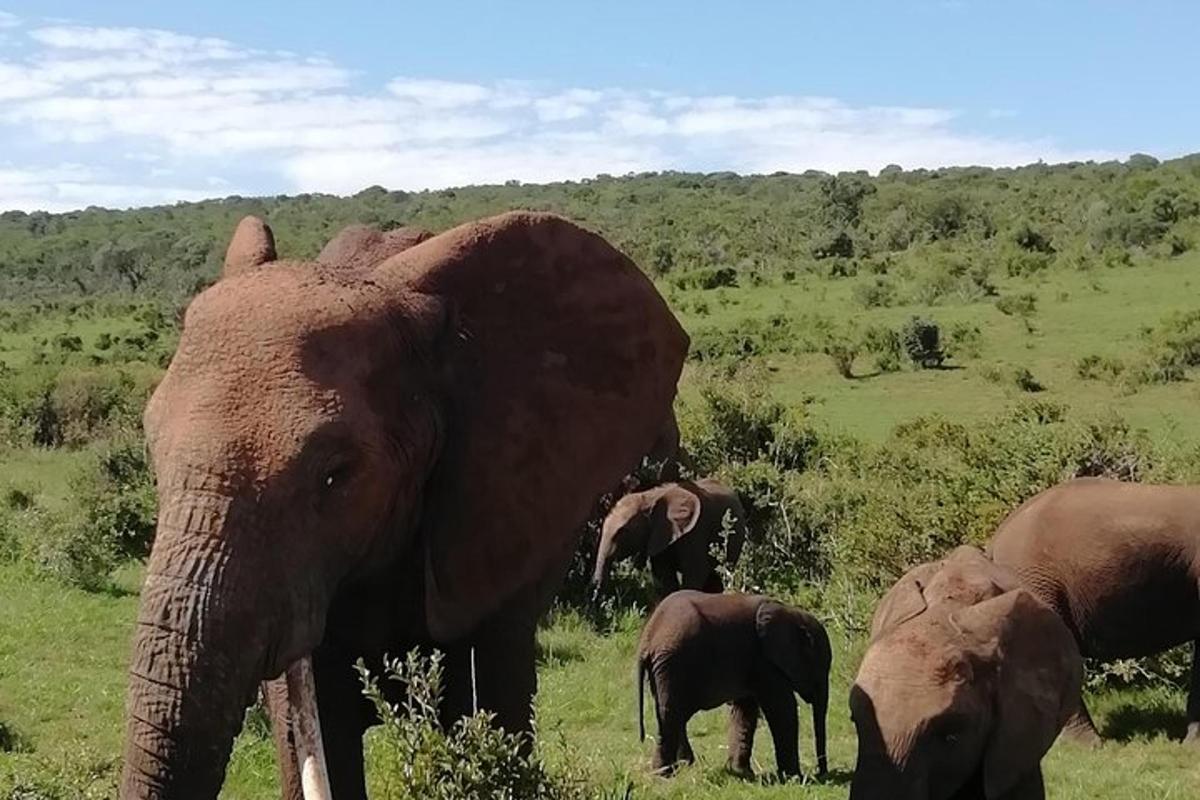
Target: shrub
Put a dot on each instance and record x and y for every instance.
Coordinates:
(1096, 367)
(884, 344)
(832, 244)
(922, 342)
(879, 293)
(707, 278)
(1024, 380)
(114, 521)
(1025, 263)
(842, 351)
(951, 277)
(964, 341)
(418, 759)
(1021, 305)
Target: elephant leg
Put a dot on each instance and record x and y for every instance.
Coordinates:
(499, 676)
(779, 707)
(743, 720)
(1080, 728)
(1031, 787)
(1193, 701)
(345, 716)
(274, 694)
(666, 579)
(672, 741)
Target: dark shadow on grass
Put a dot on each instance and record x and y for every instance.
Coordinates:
(12, 741)
(1129, 721)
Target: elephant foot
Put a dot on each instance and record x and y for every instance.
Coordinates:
(1192, 737)
(1082, 734)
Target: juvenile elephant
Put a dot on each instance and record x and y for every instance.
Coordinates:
(701, 650)
(675, 527)
(358, 458)
(965, 684)
(1120, 563)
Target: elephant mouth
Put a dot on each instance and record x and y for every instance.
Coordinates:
(310, 750)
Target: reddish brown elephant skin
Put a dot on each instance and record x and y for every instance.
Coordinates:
(965, 684)
(1119, 562)
(353, 461)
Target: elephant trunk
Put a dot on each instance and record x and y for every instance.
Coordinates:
(198, 652)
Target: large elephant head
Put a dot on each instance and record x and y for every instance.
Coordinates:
(445, 418)
(963, 688)
(643, 524)
(797, 644)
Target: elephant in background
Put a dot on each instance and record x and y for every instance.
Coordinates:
(700, 650)
(966, 683)
(675, 526)
(1120, 563)
(356, 459)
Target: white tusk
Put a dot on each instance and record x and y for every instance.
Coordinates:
(310, 751)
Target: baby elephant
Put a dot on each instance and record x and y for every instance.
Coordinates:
(700, 650)
(675, 526)
(966, 683)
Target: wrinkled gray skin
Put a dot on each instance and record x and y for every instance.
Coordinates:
(675, 527)
(1120, 563)
(701, 650)
(965, 685)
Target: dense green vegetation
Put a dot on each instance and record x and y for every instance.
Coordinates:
(882, 366)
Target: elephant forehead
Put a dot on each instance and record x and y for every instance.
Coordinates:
(267, 309)
(911, 657)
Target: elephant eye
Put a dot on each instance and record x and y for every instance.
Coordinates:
(334, 478)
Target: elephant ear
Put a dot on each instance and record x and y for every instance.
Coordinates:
(674, 514)
(361, 246)
(561, 366)
(253, 245)
(786, 643)
(905, 600)
(1036, 676)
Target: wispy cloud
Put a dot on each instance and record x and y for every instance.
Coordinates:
(159, 116)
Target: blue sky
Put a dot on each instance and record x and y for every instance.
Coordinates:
(128, 103)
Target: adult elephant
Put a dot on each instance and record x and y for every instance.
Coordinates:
(965, 685)
(1120, 563)
(357, 460)
(676, 527)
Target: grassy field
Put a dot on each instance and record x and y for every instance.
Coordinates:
(63, 650)
(62, 656)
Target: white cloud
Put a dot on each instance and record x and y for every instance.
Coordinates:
(142, 107)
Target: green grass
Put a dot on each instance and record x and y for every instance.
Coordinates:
(63, 651)
(62, 670)
(1098, 312)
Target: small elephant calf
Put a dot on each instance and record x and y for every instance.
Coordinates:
(700, 650)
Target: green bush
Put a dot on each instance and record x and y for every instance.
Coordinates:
(1019, 305)
(884, 345)
(417, 759)
(1024, 380)
(921, 339)
(1096, 367)
(842, 351)
(878, 293)
(964, 341)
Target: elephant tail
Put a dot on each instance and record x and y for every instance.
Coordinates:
(641, 679)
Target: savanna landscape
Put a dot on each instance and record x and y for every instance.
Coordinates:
(882, 367)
